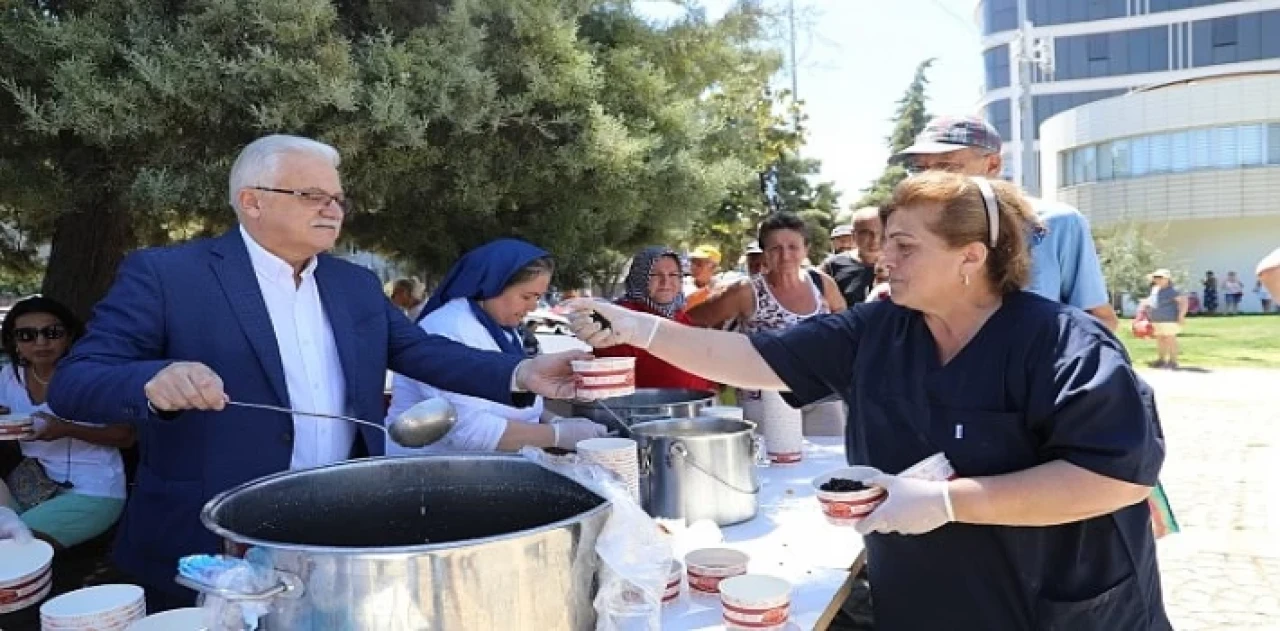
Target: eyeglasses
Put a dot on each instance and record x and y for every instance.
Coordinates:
(916, 168)
(318, 197)
(29, 334)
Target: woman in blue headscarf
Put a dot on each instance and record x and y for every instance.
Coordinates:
(481, 303)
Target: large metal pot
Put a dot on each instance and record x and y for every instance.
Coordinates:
(445, 543)
(647, 404)
(699, 468)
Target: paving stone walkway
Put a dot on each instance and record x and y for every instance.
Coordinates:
(1222, 475)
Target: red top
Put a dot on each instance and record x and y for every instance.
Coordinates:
(652, 372)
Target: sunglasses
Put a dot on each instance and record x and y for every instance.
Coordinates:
(28, 334)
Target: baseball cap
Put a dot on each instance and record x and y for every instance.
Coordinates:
(754, 248)
(706, 252)
(844, 230)
(1161, 273)
(949, 133)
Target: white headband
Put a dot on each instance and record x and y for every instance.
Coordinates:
(992, 206)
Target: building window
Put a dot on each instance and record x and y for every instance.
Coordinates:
(1201, 149)
(1227, 147)
(1120, 152)
(1140, 159)
(1226, 31)
(1273, 143)
(1106, 162)
(1161, 156)
(1180, 146)
(1253, 144)
(1099, 47)
(996, 64)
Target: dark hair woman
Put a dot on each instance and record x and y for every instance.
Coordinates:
(71, 487)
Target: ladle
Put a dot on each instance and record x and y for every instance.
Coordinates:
(421, 425)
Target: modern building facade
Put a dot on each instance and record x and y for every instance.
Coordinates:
(1196, 164)
(1162, 113)
(1105, 48)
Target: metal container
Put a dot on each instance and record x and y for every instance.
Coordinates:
(445, 543)
(699, 468)
(647, 404)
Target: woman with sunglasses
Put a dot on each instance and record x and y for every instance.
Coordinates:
(70, 487)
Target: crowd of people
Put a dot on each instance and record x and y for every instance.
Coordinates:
(962, 317)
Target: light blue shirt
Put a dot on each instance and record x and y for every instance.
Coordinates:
(1064, 261)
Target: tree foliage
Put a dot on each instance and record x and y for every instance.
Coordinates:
(909, 119)
(575, 124)
(1128, 253)
(735, 219)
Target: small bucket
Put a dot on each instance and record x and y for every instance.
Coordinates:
(699, 468)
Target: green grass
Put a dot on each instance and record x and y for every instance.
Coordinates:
(1250, 341)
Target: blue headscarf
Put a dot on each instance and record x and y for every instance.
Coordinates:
(482, 274)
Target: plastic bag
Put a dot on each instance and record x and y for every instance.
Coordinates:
(635, 557)
(249, 575)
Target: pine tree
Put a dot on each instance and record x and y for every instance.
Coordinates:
(909, 120)
(576, 125)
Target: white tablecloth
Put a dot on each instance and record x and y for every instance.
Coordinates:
(788, 538)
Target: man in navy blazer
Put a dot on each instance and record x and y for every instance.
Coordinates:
(258, 315)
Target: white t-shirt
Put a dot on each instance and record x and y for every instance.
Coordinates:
(481, 423)
(93, 469)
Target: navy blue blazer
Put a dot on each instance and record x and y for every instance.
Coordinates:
(200, 302)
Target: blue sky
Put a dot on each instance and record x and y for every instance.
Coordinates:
(855, 59)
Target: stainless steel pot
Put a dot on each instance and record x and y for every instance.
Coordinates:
(647, 404)
(699, 468)
(445, 543)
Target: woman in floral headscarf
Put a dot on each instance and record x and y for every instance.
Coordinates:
(655, 285)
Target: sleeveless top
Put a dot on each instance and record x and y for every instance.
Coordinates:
(770, 315)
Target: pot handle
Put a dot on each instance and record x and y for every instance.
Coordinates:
(287, 586)
(678, 450)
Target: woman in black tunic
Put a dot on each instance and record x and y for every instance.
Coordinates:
(1035, 404)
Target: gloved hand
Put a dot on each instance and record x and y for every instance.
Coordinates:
(570, 431)
(550, 375)
(911, 506)
(11, 527)
(624, 325)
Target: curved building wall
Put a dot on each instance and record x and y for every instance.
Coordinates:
(1105, 48)
(1197, 164)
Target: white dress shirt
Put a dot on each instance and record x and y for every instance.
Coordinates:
(312, 371)
(481, 423)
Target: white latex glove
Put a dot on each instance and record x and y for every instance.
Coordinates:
(11, 527)
(911, 506)
(570, 431)
(624, 325)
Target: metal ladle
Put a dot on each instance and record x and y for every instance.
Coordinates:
(421, 425)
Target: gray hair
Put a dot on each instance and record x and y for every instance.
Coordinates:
(411, 286)
(257, 163)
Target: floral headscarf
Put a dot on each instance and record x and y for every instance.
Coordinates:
(638, 281)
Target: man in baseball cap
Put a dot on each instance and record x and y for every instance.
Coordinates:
(958, 144)
(1064, 261)
(704, 261)
(755, 258)
(841, 239)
